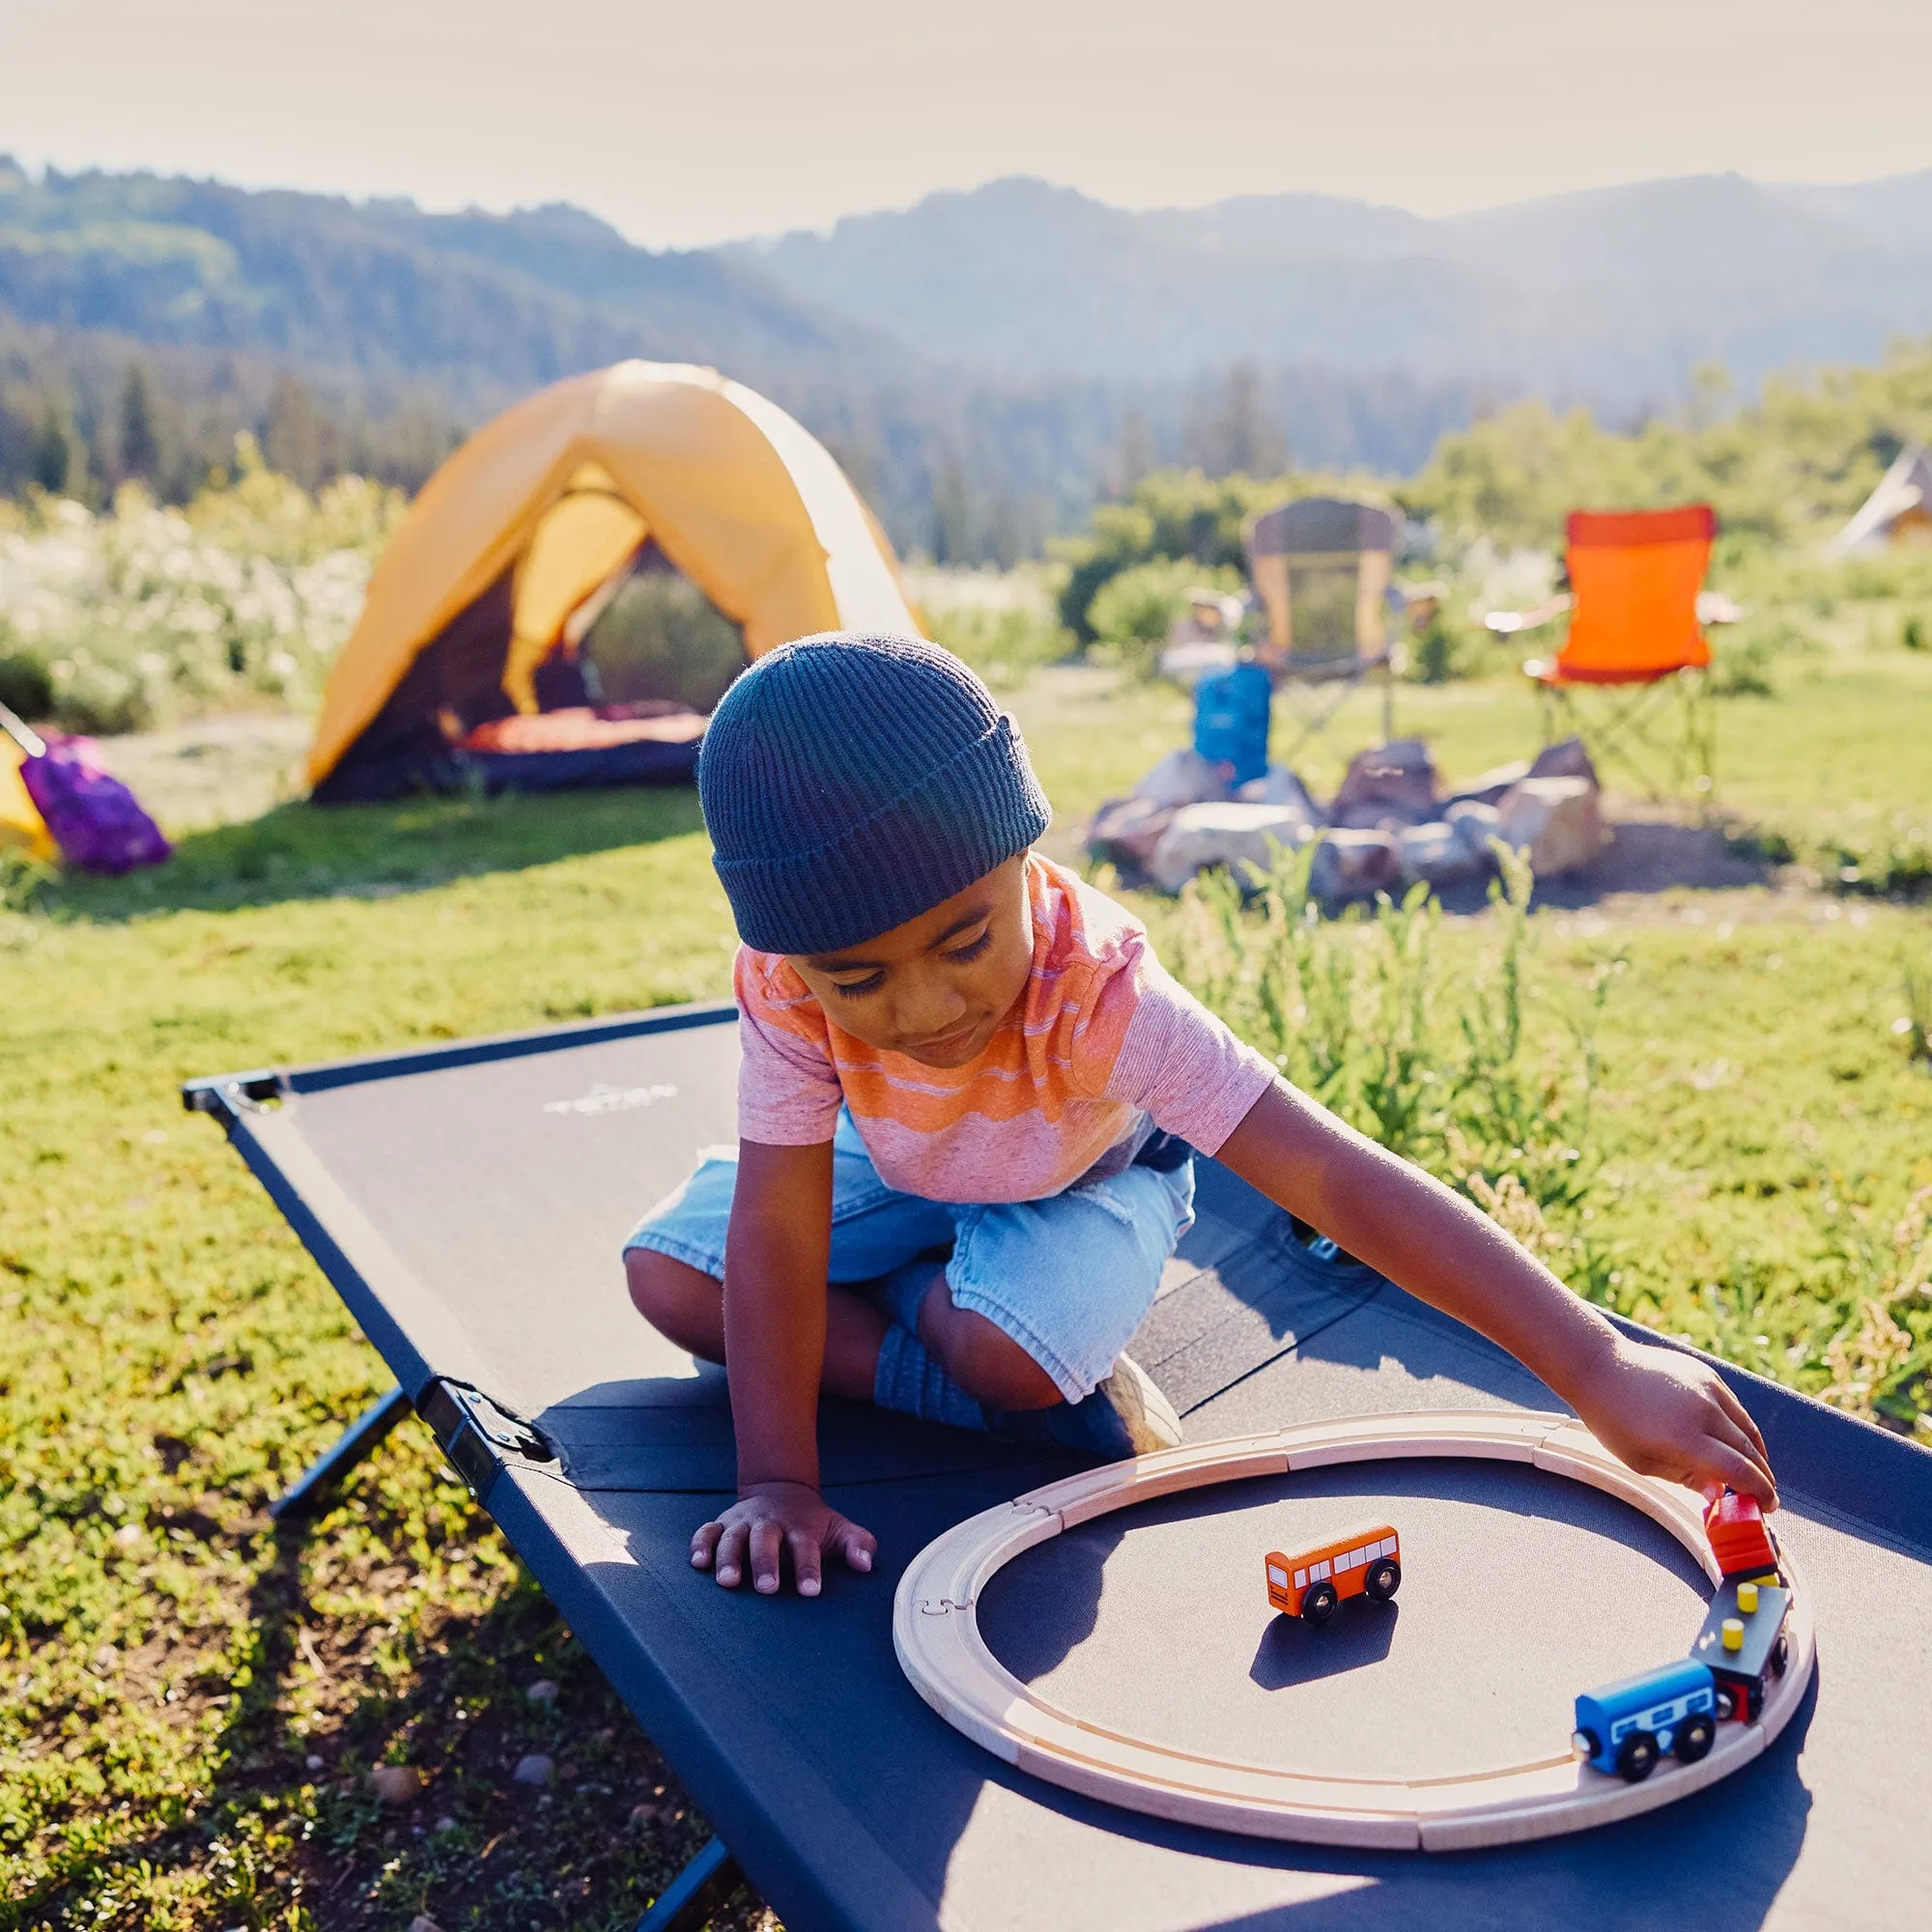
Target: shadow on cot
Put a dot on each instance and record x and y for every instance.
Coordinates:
(1041, 1607)
(1285, 1658)
(1715, 1862)
(1718, 1860)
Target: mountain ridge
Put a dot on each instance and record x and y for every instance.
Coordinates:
(1673, 271)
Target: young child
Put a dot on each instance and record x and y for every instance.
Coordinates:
(967, 1106)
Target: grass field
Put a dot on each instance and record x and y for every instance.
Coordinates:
(192, 1703)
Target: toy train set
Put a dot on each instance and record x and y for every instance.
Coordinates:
(1622, 1729)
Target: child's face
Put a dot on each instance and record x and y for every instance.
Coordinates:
(936, 988)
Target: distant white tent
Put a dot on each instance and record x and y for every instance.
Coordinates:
(1898, 511)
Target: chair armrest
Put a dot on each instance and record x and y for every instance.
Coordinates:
(1507, 623)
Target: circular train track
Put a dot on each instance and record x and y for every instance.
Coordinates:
(936, 1633)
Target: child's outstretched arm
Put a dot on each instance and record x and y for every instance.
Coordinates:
(1665, 1414)
(774, 1301)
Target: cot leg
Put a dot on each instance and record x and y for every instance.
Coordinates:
(351, 1446)
(706, 1884)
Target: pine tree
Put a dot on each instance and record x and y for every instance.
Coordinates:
(294, 436)
(140, 432)
(60, 457)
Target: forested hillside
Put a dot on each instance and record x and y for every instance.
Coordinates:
(145, 322)
(986, 364)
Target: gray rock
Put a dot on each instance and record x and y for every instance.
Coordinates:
(1436, 854)
(1565, 759)
(1557, 821)
(1488, 787)
(1386, 786)
(535, 1769)
(1225, 834)
(1278, 786)
(542, 1691)
(1181, 777)
(1126, 830)
(1475, 825)
(1355, 865)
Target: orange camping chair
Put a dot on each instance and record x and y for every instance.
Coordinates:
(1635, 576)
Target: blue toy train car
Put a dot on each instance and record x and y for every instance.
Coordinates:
(1626, 1727)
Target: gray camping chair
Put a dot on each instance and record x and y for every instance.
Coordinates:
(1321, 567)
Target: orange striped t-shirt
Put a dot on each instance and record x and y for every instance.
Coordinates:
(1102, 1049)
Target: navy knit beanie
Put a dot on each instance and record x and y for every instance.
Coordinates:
(851, 783)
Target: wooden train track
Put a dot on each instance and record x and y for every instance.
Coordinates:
(936, 1633)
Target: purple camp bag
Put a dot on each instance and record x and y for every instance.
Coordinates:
(95, 819)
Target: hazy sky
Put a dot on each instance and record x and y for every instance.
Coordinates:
(689, 125)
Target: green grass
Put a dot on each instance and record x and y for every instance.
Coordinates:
(169, 1357)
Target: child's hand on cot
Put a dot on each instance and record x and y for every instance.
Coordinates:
(769, 1519)
(1672, 1416)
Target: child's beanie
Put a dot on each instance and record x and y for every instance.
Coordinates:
(851, 783)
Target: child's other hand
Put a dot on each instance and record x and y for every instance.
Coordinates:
(1668, 1415)
(769, 1519)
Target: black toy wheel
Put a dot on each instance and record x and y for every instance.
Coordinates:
(1383, 1581)
(1320, 1603)
(1585, 1744)
(1780, 1657)
(1727, 1704)
(1636, 1758)
(1695, 1736)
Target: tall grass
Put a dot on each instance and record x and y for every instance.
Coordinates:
(1469, 1073)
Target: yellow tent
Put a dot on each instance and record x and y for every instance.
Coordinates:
(21, 826)
(517, 539)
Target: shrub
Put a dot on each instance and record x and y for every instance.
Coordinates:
(26, 685)
(145, 613)
(1002, 644)
(1745, 657)
(1450, 645)
(1863, 855)
(1451, 1069)
(1132, 615)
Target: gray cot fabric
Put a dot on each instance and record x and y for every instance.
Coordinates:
(470, 1204)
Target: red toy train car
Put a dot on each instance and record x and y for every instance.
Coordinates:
(1740, 1540)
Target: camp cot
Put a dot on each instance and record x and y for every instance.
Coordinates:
(469, 1202)
(460, 668)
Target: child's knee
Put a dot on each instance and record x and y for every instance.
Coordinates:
(985, 1361)
(684, 1304)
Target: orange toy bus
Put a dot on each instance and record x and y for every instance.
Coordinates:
(1363, 1561)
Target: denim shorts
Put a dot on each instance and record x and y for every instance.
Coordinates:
(1070, 1278)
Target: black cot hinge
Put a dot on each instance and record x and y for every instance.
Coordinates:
(480, 1437)
(233, 1093)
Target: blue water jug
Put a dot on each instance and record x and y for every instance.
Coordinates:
(1231, 719)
